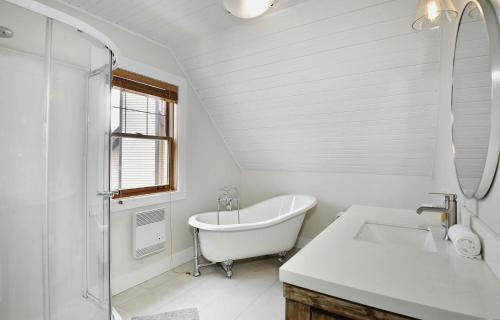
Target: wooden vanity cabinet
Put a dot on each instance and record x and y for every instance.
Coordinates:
(304, 304)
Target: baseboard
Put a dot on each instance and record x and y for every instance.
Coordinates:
(302, 242)
(183, 256)
(131, 279)
(490, 242)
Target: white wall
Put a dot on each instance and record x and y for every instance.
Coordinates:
(335, 192)
(209, 165)
(348, 116)
(486, 210)
(309, 86)
(320, 86)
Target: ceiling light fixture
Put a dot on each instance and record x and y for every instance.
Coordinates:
(431, 14)
(247, 9)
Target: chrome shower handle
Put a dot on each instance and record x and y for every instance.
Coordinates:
(108, 194)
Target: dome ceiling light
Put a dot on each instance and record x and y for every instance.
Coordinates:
(431, 14)
(247, 9)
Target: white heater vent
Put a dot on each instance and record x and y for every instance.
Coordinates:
(148, 233)
(144, 218)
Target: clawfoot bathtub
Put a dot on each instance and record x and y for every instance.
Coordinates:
(268, 227)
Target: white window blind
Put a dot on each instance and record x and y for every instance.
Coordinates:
(140, 140)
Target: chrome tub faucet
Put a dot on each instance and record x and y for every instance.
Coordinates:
(450, 210)
(227, 196)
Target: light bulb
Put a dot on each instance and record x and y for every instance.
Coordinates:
(431, 14)
(432, 10)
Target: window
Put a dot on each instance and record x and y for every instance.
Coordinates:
(143, 144)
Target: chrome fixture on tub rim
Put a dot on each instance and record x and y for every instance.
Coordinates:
(228, 196)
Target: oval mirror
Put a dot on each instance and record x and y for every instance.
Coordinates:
(474, 131)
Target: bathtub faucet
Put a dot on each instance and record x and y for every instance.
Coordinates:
(226, 201)
(227, 196)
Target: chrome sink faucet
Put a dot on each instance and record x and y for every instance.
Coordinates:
(450, 210)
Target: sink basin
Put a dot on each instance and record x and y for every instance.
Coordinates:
(404, 236)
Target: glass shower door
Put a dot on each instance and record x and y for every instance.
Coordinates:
(22, 95)
(54, 170)
(79, 176)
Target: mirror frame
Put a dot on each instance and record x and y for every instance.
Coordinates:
(492, 157)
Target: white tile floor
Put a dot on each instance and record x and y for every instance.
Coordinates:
(254, 292)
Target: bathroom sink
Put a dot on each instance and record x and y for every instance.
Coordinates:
(418, 238)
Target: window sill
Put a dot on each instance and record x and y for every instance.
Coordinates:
(146, 200)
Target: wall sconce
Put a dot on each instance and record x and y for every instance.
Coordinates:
(431, 14)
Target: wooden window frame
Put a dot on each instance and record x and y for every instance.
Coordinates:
(133, 82)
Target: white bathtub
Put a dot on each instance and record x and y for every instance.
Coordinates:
(268, 227)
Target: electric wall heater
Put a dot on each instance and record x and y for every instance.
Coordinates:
(148, 233)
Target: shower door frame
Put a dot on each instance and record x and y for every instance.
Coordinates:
(105, 193)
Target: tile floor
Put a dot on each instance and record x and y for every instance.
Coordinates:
(254, 292)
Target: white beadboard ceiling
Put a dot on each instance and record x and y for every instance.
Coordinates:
(318, 85)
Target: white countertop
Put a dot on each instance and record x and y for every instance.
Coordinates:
(425, 285)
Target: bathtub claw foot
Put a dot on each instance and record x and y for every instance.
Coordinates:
(282, 256)
(227, 266)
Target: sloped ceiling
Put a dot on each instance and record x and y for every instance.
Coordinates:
(318, 85)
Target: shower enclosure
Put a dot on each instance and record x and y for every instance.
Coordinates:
(54, 165)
